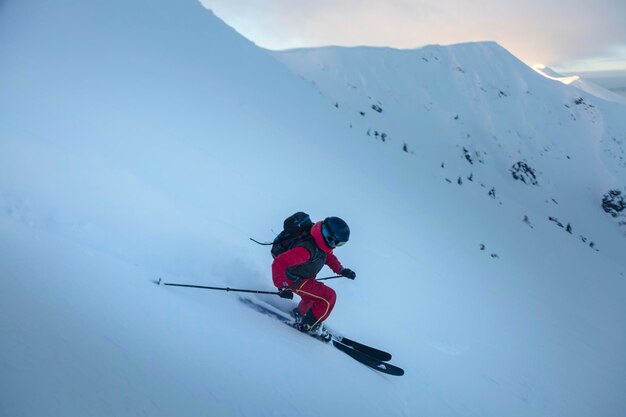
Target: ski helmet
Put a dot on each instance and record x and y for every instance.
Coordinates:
(335, 231)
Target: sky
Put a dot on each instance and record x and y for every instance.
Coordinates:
(568, 35)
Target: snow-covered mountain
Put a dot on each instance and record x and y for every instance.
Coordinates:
(148, 139)
(479, 113)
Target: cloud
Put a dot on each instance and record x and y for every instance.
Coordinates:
(550, 32)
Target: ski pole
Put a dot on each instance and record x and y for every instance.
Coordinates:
(160, 282)
(333, 277)
(228, 289)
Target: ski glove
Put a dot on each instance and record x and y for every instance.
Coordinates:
(348, 273)
(285, 293)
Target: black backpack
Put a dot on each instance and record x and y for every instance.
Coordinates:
(296, 230)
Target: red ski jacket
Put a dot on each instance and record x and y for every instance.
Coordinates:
(299, 256)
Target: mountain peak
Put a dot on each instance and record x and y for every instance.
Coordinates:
(580, 83)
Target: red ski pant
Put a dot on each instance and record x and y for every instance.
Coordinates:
(317, 296)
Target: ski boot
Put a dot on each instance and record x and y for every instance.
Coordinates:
(307, 324)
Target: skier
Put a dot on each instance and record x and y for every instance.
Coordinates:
(294, 271)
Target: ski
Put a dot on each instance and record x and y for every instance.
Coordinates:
(370, 361)
(367, 355)
(381, 355)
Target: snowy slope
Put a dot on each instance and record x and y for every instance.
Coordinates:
(148, 139)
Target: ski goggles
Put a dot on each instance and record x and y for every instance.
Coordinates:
(330, 239)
